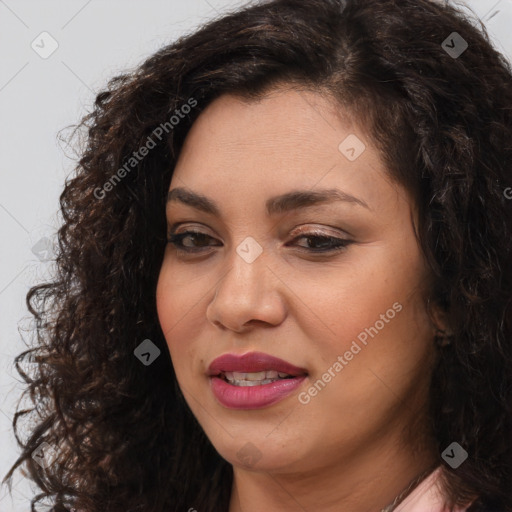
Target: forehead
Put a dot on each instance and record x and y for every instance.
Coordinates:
(289, 123)
(288, 139)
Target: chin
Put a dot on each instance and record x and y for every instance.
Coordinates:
(260, 454)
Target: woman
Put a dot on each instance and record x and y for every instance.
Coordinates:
(285, 272)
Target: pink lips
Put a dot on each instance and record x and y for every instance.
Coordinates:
(252, 362)
(252, 397)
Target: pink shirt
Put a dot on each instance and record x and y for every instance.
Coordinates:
(426, 497)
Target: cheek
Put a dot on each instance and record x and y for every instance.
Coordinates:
(175, 309)
(179, 296)
(165, 301)
(344, 299)
(373, 307)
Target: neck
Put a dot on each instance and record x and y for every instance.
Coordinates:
(359, 483)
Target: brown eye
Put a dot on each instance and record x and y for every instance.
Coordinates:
(193, 237)
(323, 243)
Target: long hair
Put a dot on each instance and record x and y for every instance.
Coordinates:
(438, 107)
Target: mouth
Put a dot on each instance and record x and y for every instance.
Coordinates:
(253, 380)
(253, 368)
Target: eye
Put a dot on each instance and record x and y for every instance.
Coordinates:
(321, 243)
(329, 243)
(177, 240)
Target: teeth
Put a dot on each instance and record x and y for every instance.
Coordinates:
(246, 383)
(254, 378)
(251, 376)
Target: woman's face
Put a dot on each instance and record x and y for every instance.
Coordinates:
(350, 319)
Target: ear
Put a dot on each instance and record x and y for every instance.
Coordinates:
(439, 318)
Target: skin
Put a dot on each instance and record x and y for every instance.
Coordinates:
(360, 441)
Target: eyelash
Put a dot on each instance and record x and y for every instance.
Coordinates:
(339, 245)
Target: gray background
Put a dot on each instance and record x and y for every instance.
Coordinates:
(41, 96)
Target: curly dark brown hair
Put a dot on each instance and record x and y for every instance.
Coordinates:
(124, 436)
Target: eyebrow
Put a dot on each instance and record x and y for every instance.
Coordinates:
(275, 205)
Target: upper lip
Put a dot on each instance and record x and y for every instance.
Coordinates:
(252, 362)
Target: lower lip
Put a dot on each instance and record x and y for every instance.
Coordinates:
(253, 397)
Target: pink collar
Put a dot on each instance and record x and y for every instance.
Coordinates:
(427, 497)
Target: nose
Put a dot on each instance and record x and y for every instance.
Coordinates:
(248, 293)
